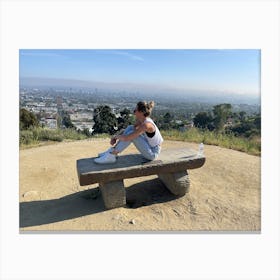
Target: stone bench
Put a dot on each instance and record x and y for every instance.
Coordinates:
(171, 167)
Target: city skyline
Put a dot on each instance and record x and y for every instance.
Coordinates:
(224, 70)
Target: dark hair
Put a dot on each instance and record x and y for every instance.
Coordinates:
(145, 108)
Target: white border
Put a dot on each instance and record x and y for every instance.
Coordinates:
(142, 24)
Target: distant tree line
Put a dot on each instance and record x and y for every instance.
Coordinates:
(214, 120)
(222, 119)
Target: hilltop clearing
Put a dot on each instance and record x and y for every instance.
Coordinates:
(224, 194)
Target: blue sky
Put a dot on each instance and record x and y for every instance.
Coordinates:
(235, 71)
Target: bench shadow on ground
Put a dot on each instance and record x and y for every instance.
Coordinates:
(147, 193)
(88, 202)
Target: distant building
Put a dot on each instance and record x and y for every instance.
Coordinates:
(81, 126)
(190, 124)
(59, 101)
(229, 122)
(49, 123)
(81, 117)
(186, 126)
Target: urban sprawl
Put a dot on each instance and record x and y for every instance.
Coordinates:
(49, 106)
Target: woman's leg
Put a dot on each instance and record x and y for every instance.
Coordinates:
(140, 143)
(145, 149)
(121, 145)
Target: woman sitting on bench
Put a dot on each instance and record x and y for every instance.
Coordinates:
(144, 134)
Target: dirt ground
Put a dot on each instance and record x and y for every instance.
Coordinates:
(225, 194)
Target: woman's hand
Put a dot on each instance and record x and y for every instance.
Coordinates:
(115, 138)
(113, 141)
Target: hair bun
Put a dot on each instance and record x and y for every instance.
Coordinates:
(151, 104)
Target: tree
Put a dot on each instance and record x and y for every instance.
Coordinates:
(251, 126)
(164, 121)
(257, 122)
(242, 128)
(67, 122)
(221, 112)
(242, 116)
(104, 120)
(202, 120)
(27, 119)
(167, 118)
(63, 119)
(125, 119)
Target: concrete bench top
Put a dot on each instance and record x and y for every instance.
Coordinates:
(134, 165)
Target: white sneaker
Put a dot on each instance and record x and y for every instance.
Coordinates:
(108, 151)
(106, 158)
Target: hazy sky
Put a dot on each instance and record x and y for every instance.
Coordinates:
(233, 70)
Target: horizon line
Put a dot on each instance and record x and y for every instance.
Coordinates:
(145, 84)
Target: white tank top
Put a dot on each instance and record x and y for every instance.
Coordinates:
(157, 138)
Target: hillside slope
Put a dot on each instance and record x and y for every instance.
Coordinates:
(224, 194)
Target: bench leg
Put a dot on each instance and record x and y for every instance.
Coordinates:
(113, 194)
(178, 183)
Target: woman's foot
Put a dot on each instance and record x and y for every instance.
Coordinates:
(106, 158)
(108, 151)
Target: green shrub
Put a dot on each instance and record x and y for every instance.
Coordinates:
(73, 134)
(49, 135)
(26, 137)
(227, 140)
(38, 134)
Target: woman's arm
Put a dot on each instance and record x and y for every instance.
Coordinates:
(139, 130)
(137, 123)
